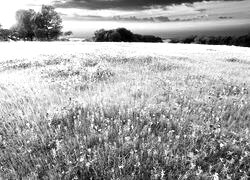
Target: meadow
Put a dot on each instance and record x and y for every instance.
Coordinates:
(124, 111)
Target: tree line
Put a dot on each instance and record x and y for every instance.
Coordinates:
(213, 40)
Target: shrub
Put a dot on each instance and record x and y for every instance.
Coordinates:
(189, 40)
(126, 35)
(6, 35)
(122, 35)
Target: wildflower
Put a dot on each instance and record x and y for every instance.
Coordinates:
(138, 164)
(162, 174)
(58, 145)
(159, 139)
(155, 152)
(215, 176)
(192, 165)
(199, 171)
(127, 138)
(53, 153)
(88, 164)
(82, 159)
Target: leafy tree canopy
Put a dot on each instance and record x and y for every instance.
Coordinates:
(48, 24)
(43, 25)
(122, 35)
(25, 24)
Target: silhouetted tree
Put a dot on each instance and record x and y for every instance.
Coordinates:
(115, 36)
(151, 38)
(189, 39)
(226, 40)
(122, 35)
(99, 35)
(126, 35)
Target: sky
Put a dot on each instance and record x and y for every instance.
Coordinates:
(158, 17)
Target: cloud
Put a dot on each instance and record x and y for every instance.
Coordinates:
(202, 10)
(146, 19)
(122, 4)
(225, 17)
(132, 18)
(77, 17)
(119, 18)
(196, 18)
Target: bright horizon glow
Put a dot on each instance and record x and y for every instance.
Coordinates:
(167, 29)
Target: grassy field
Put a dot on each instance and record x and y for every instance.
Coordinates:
(124, 111)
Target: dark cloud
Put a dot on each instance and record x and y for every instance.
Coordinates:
(122, 4)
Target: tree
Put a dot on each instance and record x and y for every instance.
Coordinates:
(47, 24)
(3, 34)
(25, 24)
(44, 25)
(122, 35)
(99, 35)
(6, 34)
(115, 36)
(127, 36)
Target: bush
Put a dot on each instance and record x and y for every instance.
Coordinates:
(4, 35)
(147, 38)
(123, 35)
(126, 35)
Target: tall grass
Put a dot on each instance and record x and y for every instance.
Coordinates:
(125, 117)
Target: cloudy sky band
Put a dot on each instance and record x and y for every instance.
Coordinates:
(115, 12)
